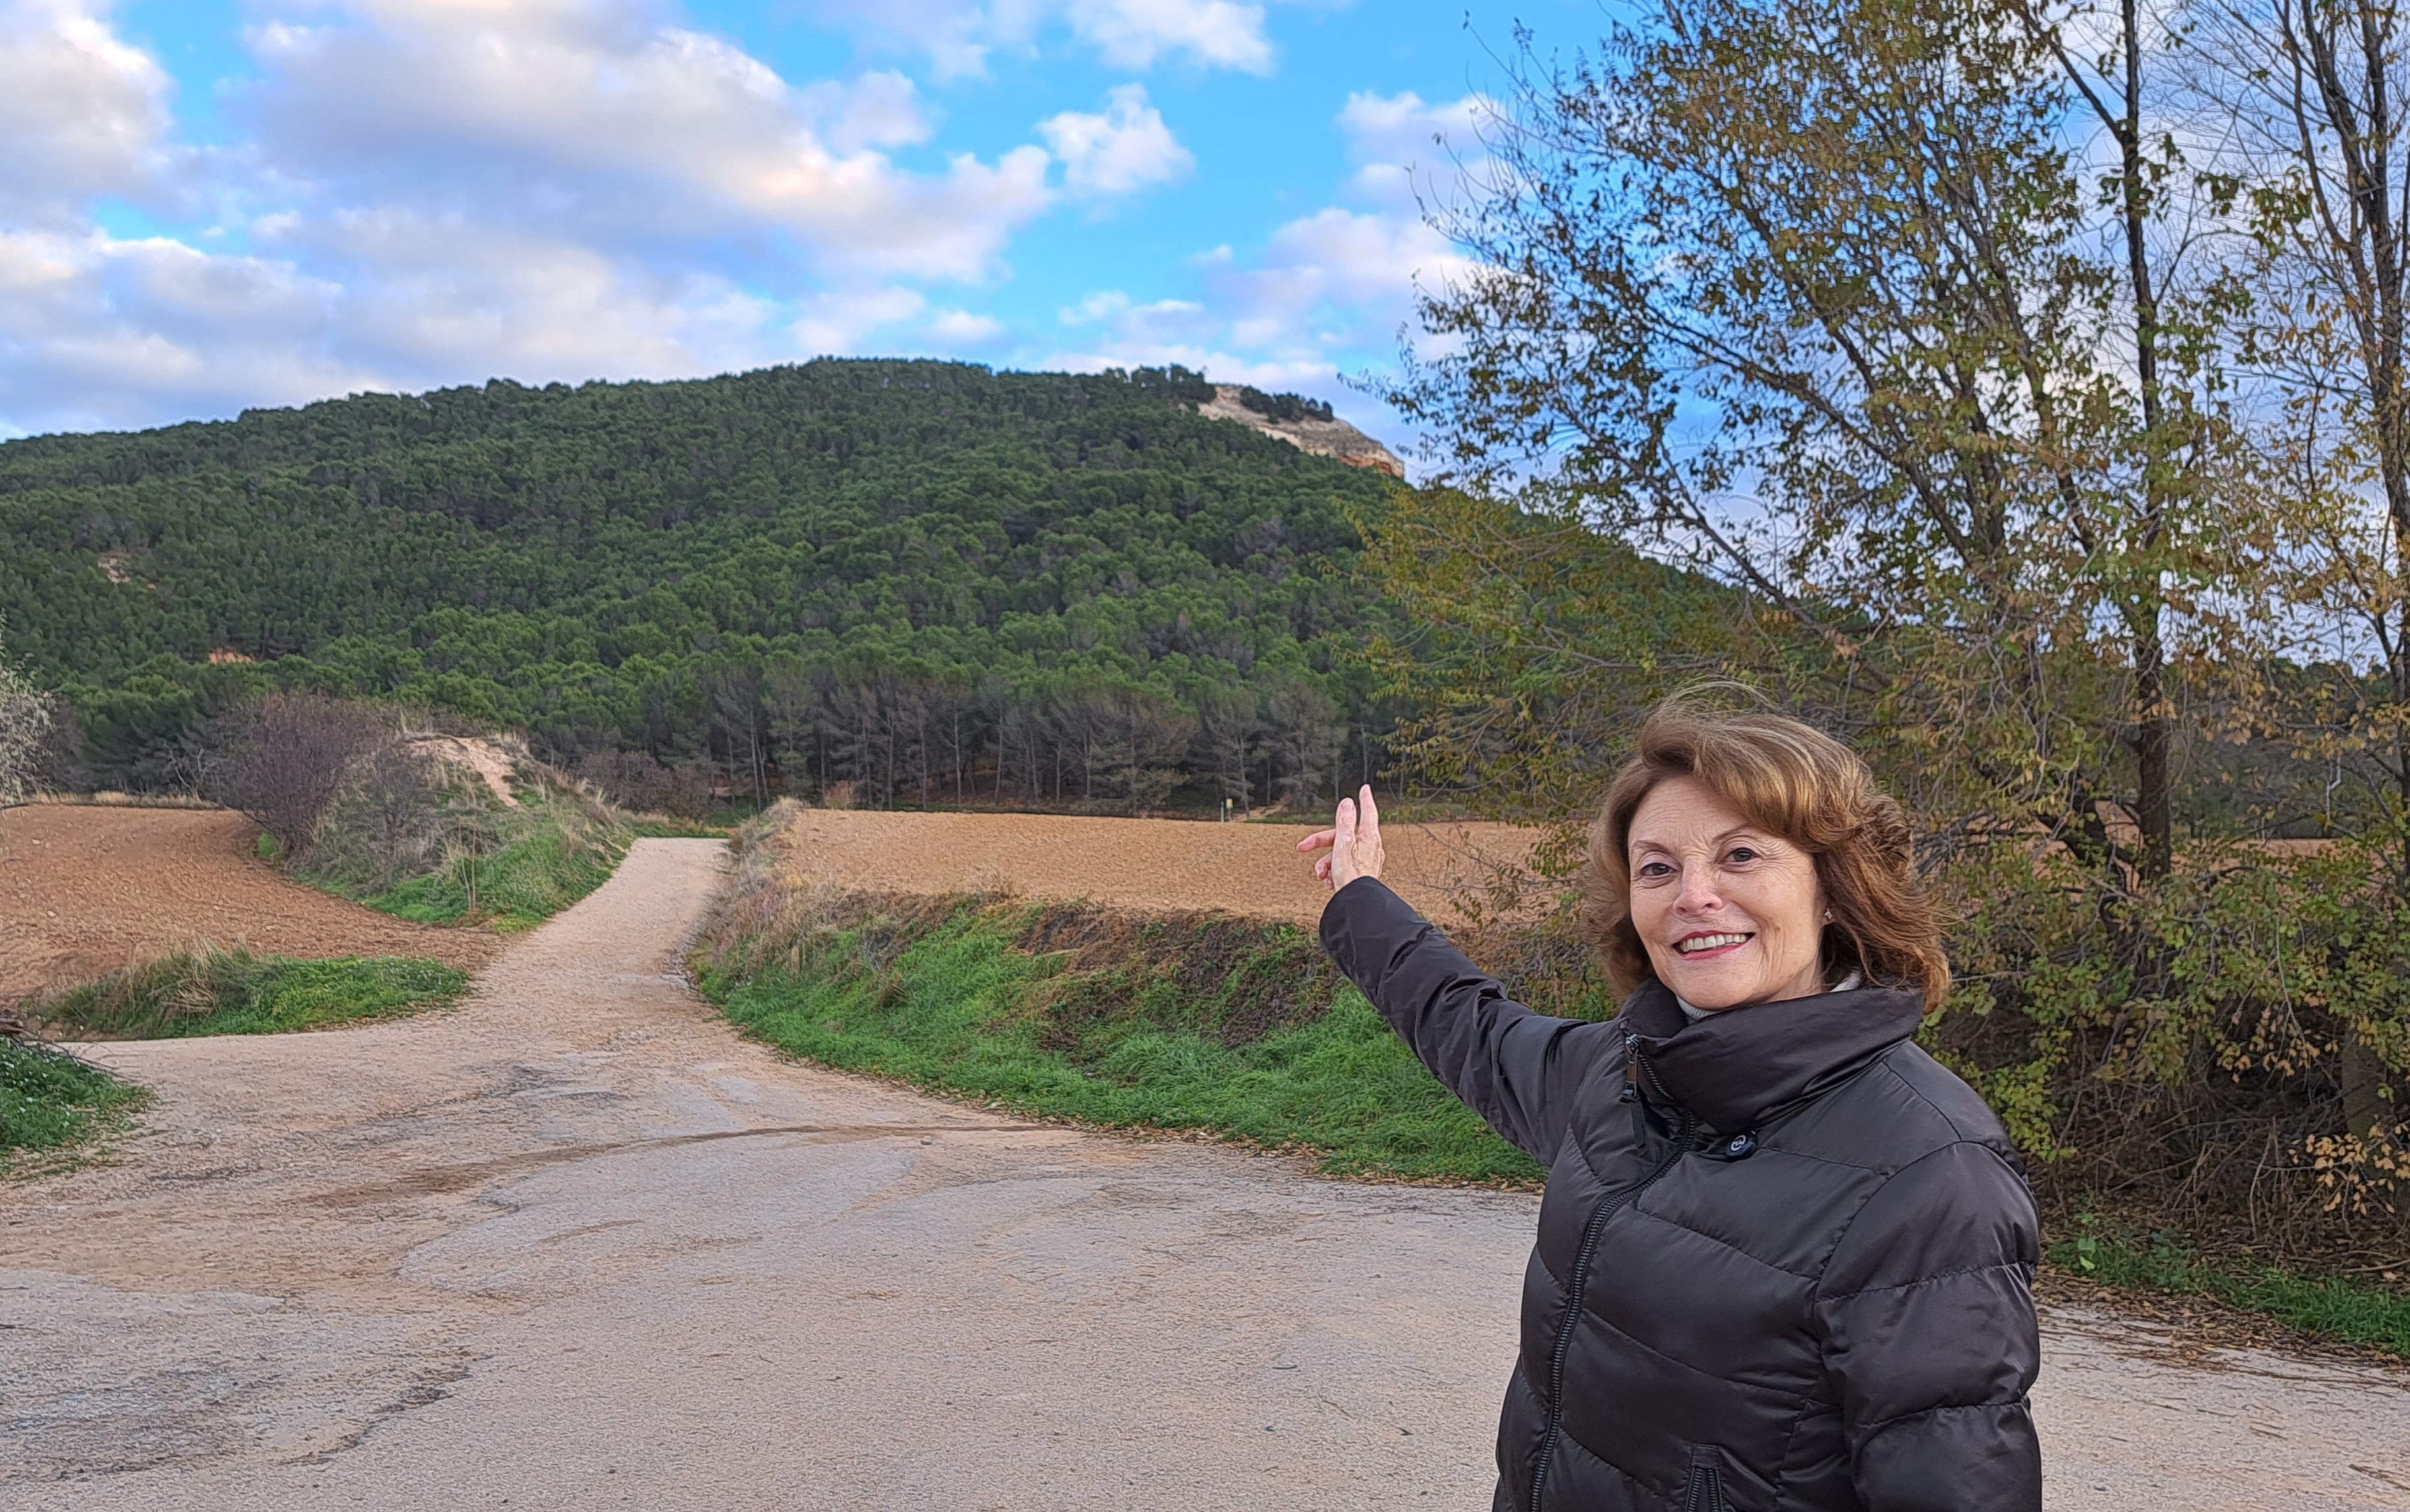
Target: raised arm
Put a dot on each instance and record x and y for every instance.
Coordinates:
(1516, 1068)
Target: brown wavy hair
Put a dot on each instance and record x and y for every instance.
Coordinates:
(1799, 783)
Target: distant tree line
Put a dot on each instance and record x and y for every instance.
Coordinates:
(864, 731)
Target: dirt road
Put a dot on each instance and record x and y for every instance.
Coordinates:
(575, 1246)
(1137, 862)
(85, 890)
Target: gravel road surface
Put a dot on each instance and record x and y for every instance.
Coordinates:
(576, 1245)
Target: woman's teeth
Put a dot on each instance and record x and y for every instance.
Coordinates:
(1707, 943)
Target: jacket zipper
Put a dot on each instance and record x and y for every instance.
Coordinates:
(1579, 1284)
(1706, 1493)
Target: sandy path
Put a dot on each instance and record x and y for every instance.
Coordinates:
(574, 1245)
(1137, 862)
(85, 890)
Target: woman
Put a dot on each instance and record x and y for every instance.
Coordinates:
(1785, 1259)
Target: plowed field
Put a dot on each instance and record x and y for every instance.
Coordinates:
(86, 890)
(1151, 864)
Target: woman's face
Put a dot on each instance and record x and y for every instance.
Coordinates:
(1730, 914)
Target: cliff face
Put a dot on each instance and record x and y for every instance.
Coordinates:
(1307, 432)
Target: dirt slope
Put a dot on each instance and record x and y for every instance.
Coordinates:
(1252, 869)
(576, 1245)
(85, 890)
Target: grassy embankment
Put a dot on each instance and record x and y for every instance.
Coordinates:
(211, 991)
(472, 859)
(51, 1104)
(1172, 1021)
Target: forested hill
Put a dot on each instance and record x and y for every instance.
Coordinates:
(916, 577)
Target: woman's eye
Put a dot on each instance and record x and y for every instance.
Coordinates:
(1654, 869)
(1740, 854)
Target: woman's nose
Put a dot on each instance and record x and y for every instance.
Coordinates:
(1699, 893)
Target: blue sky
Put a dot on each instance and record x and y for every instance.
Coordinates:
(211, 204)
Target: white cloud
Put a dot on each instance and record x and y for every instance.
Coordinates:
(959, 35)
(1134, 34)
(1125, 149)
(836, 323)
(82, 113)
(1322, 287)
(444, 190)
(95, 330)
(962, 327)
(584, 115)
(1401, 129)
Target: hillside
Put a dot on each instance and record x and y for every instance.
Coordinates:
(922, 579)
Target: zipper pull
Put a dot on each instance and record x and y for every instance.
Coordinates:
(1631, 1068)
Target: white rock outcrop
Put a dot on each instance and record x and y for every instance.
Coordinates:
(1323, 438)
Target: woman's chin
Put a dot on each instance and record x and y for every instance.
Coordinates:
(1711, 995)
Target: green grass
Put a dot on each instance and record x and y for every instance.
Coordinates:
(50, 1103)
(667, 827)
(234, 992)
(2371, 1314)
(515, 888)
(1182, 1023)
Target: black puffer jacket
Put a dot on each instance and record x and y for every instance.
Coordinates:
(1785, 1258)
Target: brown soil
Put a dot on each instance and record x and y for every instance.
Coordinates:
(1151, 863)
(86, 890)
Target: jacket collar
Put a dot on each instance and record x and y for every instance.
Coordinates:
(1733, 1068)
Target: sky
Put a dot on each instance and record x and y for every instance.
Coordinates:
(210, 205)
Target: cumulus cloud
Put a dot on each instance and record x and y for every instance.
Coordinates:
(442, 190)
(1343, 278)
(82, 113)
(958, 36)
(587, 113)
(1403, 132)
(1124, 149)
(1134, 34)
(95, 330)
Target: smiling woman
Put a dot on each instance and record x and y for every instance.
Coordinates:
(1785, 1258)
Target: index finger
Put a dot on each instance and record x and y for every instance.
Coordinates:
(1319, 840)
(1371, 811)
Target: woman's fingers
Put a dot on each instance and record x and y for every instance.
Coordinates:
(1371, 811)
(1318, 840)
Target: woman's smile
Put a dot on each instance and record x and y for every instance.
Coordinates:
(1705, 946)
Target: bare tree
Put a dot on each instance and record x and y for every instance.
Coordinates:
(282, 759)
(396, 803)
(25, 721)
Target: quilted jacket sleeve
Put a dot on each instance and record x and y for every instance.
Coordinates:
(1928, 1319)
(1514, 1068)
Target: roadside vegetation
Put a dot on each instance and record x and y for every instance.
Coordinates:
(209, 991)
(1177, 1021)
(52, 1105)
(2369, 1310)
(423, 824)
